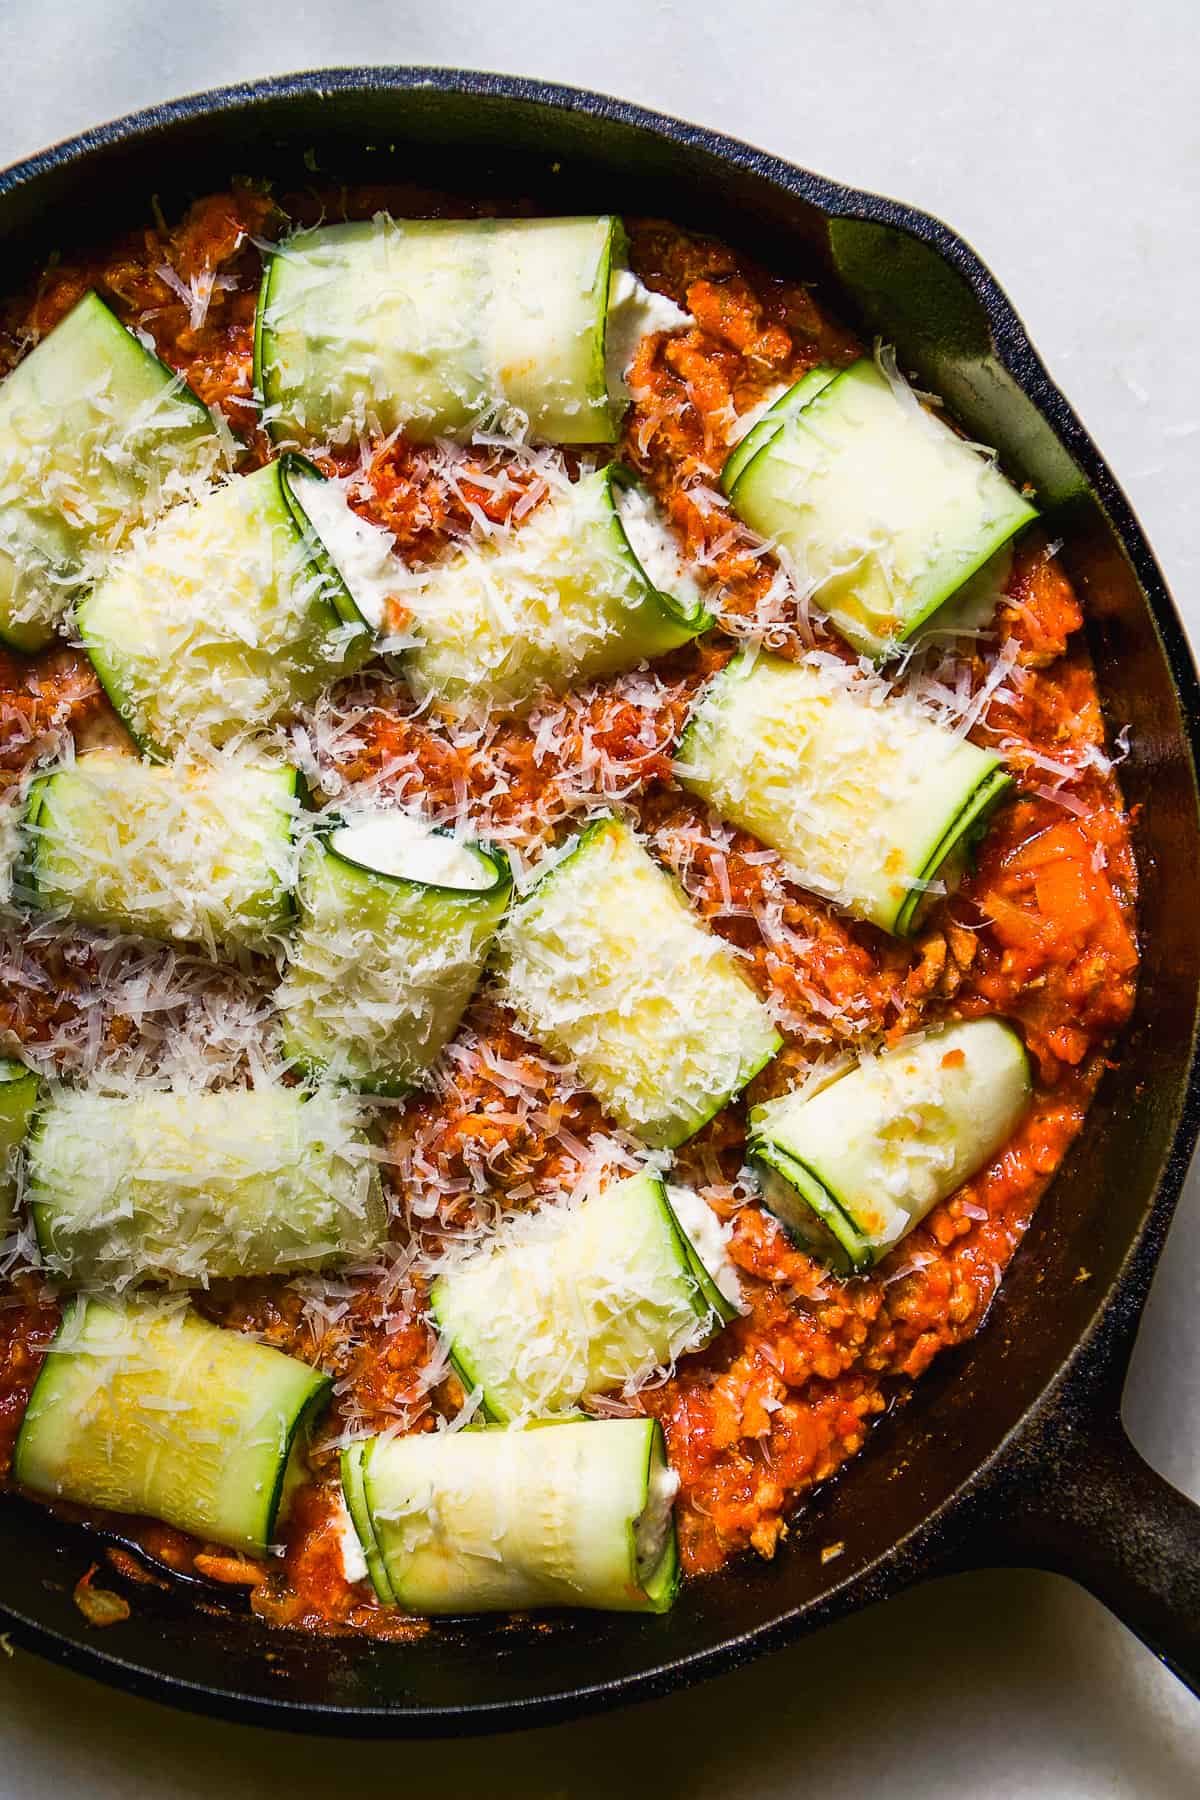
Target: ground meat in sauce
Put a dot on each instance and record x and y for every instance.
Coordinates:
(1041, 931)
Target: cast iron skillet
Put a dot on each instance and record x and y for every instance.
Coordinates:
(1011, 1451)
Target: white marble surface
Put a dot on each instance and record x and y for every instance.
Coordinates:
(1063, 141)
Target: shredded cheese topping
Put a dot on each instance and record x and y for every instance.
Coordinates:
(856, 789)
(96, 438)
(184, 669)
(608, 966)
(383, 962)
(199, 853)
(188, 1186)
(560, 600)
(575, 1301)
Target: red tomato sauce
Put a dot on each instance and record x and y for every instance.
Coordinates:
(1042, 931)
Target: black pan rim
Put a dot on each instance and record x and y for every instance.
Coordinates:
(897, 1567)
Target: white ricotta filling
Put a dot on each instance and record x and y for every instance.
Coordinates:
(400, 844)
(361, 552)
(354, 1563)
(655, 544)
(654, 1521)
(746, 421)
(634, 312)
(709, 1238)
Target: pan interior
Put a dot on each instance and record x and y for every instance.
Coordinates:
(896, 273)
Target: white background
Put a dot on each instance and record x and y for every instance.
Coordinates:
(1062, 140)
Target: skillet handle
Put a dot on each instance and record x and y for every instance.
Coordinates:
(1127, 1535)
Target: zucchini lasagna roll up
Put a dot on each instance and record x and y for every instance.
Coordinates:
(233, 611)
(395, 924)
(97, 436)
(870, 803)
(147, 1408)
(883, 511)
(19, 1088)
(438, 326)
(193, 1186)
(592, 584)
(607, 965)
(572, 1302)
(851, 1167)
(199, 854)
(496, 1520)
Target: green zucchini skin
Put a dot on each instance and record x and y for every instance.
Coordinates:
(884, 511)
(497, 1520)
(151, 1410)
(868, 804)
(202, 856)
(766, 429)
(809, 1213)
(578, 1303)
(96, 435)
(381, 967)
(436, 327)
(607, 965)
(190, 1187)
(173, 675)
(19, 1090)
(711, 1303)
(578, 604)
(350, 1463)
(850, 1169)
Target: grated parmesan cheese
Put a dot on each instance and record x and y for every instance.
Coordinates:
(561, 600)
(395, 924)
(97, 437)
(607, 965)
(221, 617)
(188, 1186)
(194, 852)
(571, 1302)
(858, 791)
